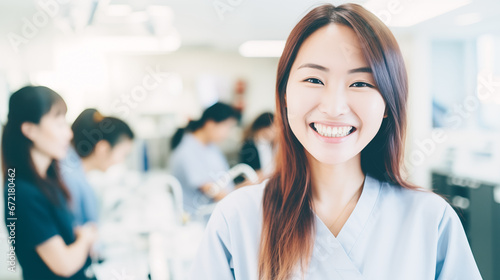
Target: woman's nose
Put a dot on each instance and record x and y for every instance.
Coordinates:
(334, 101)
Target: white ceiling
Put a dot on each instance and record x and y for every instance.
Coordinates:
(199, 24)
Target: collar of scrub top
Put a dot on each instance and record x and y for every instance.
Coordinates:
(337, 249)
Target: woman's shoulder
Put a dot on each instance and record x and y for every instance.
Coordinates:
(181, 151)
(71, 164)
(420, 201)
(248, 143)
(21, 185)
(416, 194)
(187, 148)
(244, 200)
(23, 190)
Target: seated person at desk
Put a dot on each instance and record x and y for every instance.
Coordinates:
(198, 164)
(36, 135)
(257, 149)
(98, 143)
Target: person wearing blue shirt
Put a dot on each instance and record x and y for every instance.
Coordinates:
(84, 204)
(37, 214)
(196, 161)
(98, 143)
(338, 205)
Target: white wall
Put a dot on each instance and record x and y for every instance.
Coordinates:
(192, 66)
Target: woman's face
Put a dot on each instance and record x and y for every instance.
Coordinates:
(267, 134)
(219, 131)
(108, 156)
(52, 135)
(333, 106)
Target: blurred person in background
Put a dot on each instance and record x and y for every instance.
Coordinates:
(258, 147)
(197, 162)
(99, 142)
(35, 137)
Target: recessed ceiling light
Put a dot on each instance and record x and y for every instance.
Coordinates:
(135, 44)
(468, 19)
(272, 48)
(408, 13)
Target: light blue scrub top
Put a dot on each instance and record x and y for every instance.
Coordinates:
(194, 165)
(393, 233)
(84, 202)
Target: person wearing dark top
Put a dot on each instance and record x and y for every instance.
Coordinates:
(257, 148)
(35, 136)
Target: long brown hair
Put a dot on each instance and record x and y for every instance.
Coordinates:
(288, 220)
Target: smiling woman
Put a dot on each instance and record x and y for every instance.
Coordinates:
(331, 96)
(338, 206)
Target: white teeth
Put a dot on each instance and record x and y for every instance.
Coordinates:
(332, 131)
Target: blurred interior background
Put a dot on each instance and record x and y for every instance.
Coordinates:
(98, 53)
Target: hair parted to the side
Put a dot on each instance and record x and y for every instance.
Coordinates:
(288, 219)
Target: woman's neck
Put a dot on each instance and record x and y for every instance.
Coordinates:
(88, 164)
(335, 184)
(201, 136)
(260, 138)
(41, 162)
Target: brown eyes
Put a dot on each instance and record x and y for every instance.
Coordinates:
(361, 84)
(314, 81)
(356, 84)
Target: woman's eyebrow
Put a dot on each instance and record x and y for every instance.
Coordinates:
(324, 69)
(361, 70)
(314, 66)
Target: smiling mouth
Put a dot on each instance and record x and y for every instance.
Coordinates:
(332, 131)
